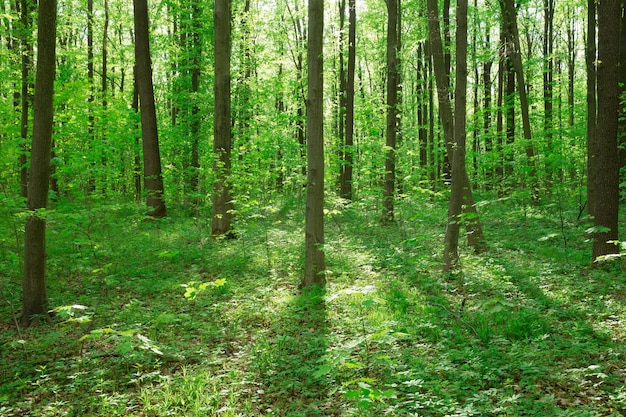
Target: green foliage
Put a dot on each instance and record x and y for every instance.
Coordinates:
(144, 325)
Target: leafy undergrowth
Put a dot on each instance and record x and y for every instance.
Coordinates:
(161, 320)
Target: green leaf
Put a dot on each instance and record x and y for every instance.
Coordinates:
(124, 347)
(322, 371)
(353, 394)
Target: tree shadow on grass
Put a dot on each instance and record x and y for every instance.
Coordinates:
(287, 358)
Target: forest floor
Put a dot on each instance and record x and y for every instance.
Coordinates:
(155, 318)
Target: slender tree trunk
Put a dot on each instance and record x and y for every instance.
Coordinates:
(392, 111)
(447, 56)
(509, 103)
(153, 180)
(606, 176)
(500, 109)
(422, 109)
(342, 94)
(548, 79)
(510, 18)
(475, 237)
(137, 154)
(27, 62)
(590, 60)
(435, 168)
(315, 262)
(451, 242)
(348, 151)
(91, 181)
(35, 299)
(621, 135)
(487, 84)
(222, 137)
(195, 63)
(103, 89)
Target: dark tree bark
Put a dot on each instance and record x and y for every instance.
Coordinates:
(221, 224)
(509, 103)
(422, 103)
(592, 111)
(342, 94)
(297, 55)
(392, 111)
(153, 180)
(348, 150)
(27, 63)
(243, 110)
(571, 64)
(451, 242)
(315, 262)
(487, 84)
(509, 16)
(606, 175)
(475, 237)
(137, 154)
(105, 52)
(548, 77)
(194, 65)
(500, 98)
(621, 134)
(35, 299)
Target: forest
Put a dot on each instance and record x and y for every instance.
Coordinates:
(312, 208)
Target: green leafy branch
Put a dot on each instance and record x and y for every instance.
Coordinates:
(194, 288)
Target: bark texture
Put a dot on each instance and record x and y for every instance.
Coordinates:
(153, 180)
(392, 111)
(451, 242)
(35, 298)
(315, 261)
(221, 223)
(606, 165)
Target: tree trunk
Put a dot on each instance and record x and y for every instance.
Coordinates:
(622, 89)
(195, 63)
(153, 181)
(136, 153)
(451, 243)
(223, 206)
(35, 299)
(348, 151)
(510, 18)
(592, 111)
(500, 98)
(487, 107)
(103, 89)
(475, 237)
(606, 175)
(27, 62)
(315, 262)
(392, 111)
(548, 79)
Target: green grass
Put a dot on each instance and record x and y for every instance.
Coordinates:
(525, 329)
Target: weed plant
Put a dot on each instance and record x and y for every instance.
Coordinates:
(155, 318)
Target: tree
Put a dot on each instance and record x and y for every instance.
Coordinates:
(451, 255)
(315, 262)
(26, 54)
(35, 298)
(475, 237)
(345, 180)
(153, 180)
(393, 10)
(509, 20)
(606, 166)
(548, 75)
(223, 206)
(590, 61)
